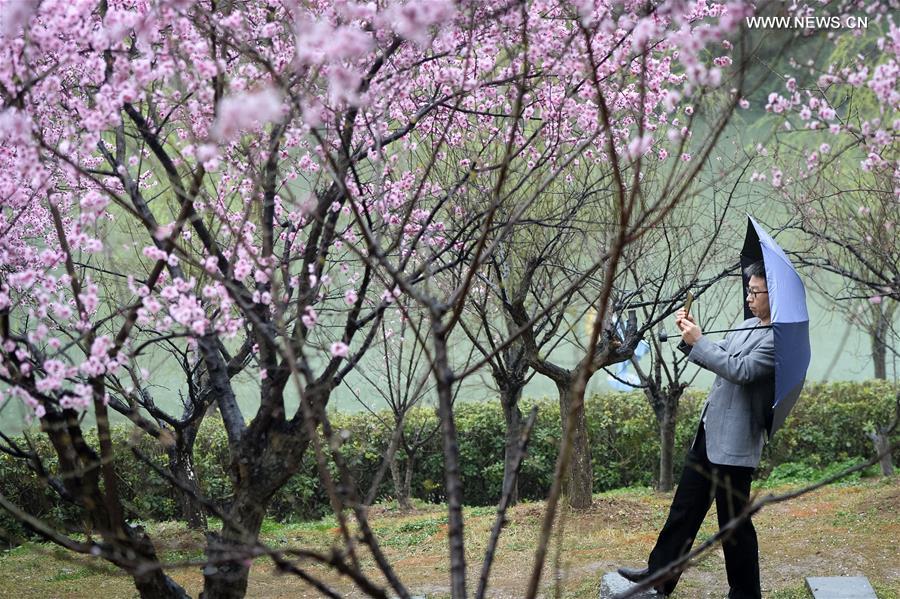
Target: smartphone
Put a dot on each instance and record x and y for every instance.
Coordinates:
(688, 302)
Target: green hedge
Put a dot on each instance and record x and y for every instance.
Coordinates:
(828, 425)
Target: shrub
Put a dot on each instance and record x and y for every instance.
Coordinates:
(826, 431)
(830, 424)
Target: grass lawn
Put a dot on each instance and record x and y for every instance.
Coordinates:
(840, 530)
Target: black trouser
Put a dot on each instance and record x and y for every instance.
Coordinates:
(700, 481)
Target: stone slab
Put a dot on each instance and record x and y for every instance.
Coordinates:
(612, 584)
(840, 587)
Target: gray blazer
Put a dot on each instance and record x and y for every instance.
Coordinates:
(738, 404)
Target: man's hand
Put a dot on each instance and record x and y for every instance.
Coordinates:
(690, 332)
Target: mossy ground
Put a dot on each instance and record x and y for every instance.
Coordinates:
(840, 530)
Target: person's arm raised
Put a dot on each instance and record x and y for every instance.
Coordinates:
(741, 370)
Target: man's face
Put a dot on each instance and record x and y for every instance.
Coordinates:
(758, 298)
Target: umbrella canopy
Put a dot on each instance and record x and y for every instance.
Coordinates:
(790, 319)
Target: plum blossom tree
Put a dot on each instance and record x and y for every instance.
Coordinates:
(248, 189)
(839, 172)
(840, 175)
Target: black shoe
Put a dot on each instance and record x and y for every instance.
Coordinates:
(633, 574)
(639, 576)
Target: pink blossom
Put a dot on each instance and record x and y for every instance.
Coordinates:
(50, 258)
(643, 32)
(89, 298)
(858, 78)
(339, 349)
(244, 111)
(343, 85)
(79, 399)
(24, 279)
(318, 42)
(211, 264)
(639, 146)
(670, 99)
(776, 103)
(208, 155)
(242, 269)
(875, 299)
(812, 160)
(154, 253)
(93, 203)
(309, 317)
(776, 178)
(15, 14)
(415, 18)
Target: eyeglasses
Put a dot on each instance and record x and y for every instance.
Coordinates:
(754, 293)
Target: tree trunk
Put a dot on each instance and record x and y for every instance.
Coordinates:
(666, 445)
(401, 489)
(509, 399)
(181, 464)
(452, 478)
(151, 583)
(226, 574)
(131, 548)
(262, 466)
(407, 482)
(879, 347)
(578, 484)
(882, 447)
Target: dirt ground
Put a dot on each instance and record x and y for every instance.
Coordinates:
(836, 531)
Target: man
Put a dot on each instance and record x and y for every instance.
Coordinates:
(728, 444)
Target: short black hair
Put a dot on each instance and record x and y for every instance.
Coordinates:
(757, 269)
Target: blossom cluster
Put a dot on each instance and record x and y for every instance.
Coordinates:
(170, 173)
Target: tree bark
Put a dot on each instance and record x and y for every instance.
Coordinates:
(450, 443)
(882, 447)
(227, 573)
(151, 583)
(263, 465)
(579, 482)
(181, 464)
(131, 548)
(666, 445)
(879, 347)
(509, 399)
(407, 481)
(401, 488)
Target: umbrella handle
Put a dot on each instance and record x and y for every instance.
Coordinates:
(664, 335)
